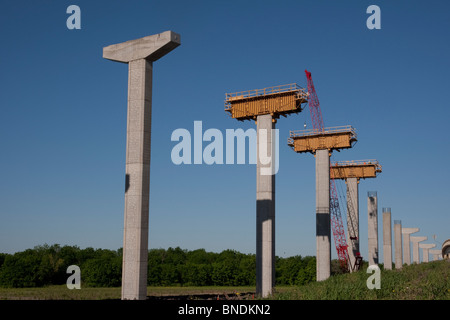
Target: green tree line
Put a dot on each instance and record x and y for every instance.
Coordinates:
(46, 265)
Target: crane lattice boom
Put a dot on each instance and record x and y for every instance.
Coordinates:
(335, 212)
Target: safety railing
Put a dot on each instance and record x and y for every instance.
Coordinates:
(229, 97)
(313, 132)
(356, 163)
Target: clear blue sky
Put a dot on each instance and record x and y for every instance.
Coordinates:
(63, 117)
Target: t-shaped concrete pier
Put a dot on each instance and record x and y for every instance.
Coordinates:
(406, 232)
(425, 250)
(265, 106)
(436, 254)
(415, 241)
(139, 54)
(352, 171)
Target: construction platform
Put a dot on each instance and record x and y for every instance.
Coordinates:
(277, 100)
(333, 138)
(360, 169)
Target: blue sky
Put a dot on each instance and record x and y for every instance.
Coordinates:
(63, 117)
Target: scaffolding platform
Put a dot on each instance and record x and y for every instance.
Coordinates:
(277, 100)
(360, 169)
(333, 138)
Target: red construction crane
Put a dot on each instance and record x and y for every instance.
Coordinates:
(335, 212)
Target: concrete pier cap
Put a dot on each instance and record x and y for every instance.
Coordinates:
(150, 47)
(425, 250)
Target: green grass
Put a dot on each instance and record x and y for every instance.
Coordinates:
(425, 281)
(61, 292)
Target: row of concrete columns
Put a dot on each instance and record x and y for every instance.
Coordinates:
(402, 241)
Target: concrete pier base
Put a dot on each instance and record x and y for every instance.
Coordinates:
(352, 219)
(425, 250)
(387, 239)
(398, 244)
(372, 211)
(139, 54)
(265, 207)
(406, 232)
(323, 222)
(416, 254)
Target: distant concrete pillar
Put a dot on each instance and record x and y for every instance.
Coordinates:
(265, 206)
(323, 222)
(387, 239)
(372, 211)
(139, 54)
(436, 254)
(415, 241)
(406, 243)
(398, 244)
(353, 218)
(425, 250)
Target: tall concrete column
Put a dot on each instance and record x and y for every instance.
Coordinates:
(398, 244)
(372, 211)
(353, 218)
(436, 254)
(265, 206)
(415, 241)
(323, 222)
(425, 250)
(406, 243)
(387, 239)
(139, 54)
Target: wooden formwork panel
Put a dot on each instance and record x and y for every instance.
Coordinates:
(334, 141)
(248, 108)
(356, 171)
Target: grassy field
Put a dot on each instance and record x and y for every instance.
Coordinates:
(61, 292)
(425, 281)
(428, 281)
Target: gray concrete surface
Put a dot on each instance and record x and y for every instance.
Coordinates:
(372, 212)
(265, 208)
(387, 240)
(352, 218)
(398, 245)
(323, 222)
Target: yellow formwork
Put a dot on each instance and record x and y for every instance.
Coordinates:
(334, 138)
(278, 100)
(360, 169)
